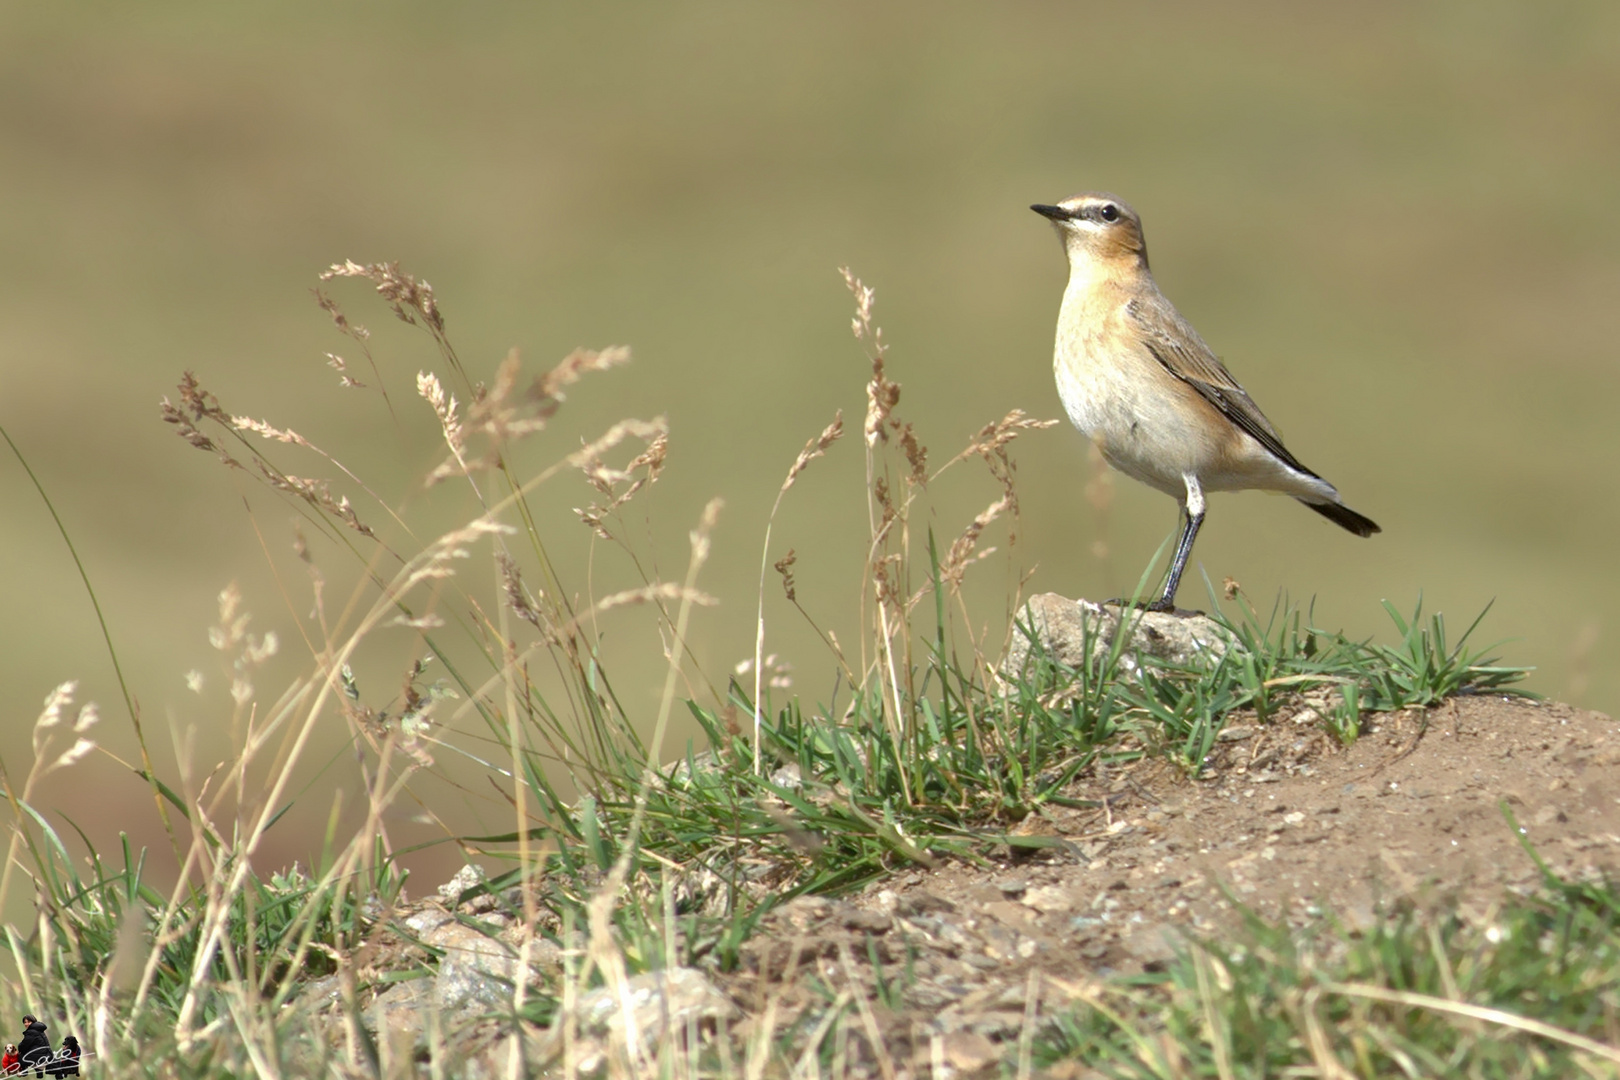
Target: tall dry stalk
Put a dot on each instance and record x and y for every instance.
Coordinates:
(813, 449)
(897, 474)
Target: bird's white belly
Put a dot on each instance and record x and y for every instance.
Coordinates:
(1144, 434)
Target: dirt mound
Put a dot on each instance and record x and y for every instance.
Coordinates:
(951, 967)
(1286, 823)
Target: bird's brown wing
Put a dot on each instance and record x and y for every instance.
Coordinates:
(1175, 344)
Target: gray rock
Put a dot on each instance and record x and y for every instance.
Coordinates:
(965, 1052)
(1050, 898)
(427, 919)
(1075, 631)
(478, 971)
(321, 997)
(402, 1008)
(467, 877)
(1155, 944)
(1013, 887)
(655, 1006)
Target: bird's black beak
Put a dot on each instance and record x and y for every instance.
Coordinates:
(1056, 213)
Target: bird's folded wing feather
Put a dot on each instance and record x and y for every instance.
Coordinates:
(1175, 344)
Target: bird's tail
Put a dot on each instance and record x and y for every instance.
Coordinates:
(1343, 516)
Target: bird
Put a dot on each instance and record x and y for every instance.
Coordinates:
(1137, 380)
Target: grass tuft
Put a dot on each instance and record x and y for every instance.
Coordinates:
(1527, 992)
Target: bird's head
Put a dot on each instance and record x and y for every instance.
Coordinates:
(1097, 226)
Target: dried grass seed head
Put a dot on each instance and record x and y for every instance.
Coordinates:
(961, 553)
(517, 597)
(547, 391)
(882, 395)
(340, 320)
(341, 366)
(498, 414)
(265, 430)
(56, 702)
(992, 439)
(700, 535)
(408, 297)
(489, 400)
(89, 716)
(196, 405)
(815, 448)
(864, 296)
(784, 566)
(55, 712)
(201, 404)
(73, 754)
(588, 458)
(916, 453)
(444, 407)
(608, 481)
(777, 673)
(318, 494)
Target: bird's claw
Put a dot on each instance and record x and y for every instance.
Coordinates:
(1162, 607)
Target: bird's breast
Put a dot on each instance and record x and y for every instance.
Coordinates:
(1122, 399)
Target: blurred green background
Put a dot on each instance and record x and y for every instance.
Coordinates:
(1399, 223)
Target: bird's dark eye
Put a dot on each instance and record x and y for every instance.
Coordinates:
(1109, 212)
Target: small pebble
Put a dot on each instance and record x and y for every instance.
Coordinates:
(1012, 887)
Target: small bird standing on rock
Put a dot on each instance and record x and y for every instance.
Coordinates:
(1137, 380)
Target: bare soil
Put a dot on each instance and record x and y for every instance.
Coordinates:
(1285, 822)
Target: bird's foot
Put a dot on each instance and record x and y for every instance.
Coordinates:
(1138, 604)
(1161, 606)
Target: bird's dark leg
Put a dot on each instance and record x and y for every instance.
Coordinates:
(1192, 516)
(1189, 532)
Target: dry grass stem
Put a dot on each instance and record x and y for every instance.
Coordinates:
(604, 952)
(53, 716)
(813, 449)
